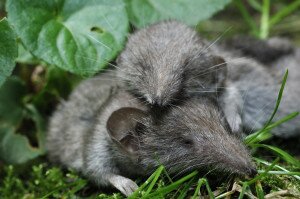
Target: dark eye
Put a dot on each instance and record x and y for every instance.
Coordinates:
(187, 142)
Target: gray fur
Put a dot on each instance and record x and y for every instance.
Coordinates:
(77, 137)
(264, 51)
(168, 61)
(259, 84)
(194, 136)
(172, 66)
(190, 136)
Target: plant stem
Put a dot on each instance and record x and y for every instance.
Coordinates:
(284, 12)
(264, 24)
(247, 17)
(255, 5)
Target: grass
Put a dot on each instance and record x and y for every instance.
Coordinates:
(281, 177)
(267, 20)
(51, 182)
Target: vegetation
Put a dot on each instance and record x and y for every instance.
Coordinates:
(47, 47)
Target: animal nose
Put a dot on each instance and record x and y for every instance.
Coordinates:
(252, 172)
(157, 101)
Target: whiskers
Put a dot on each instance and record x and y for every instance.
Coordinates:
(216, 40)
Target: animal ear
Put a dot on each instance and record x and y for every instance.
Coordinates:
(210, 72)
(122, 127)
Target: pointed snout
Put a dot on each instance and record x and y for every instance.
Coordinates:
(252, 172)
(158, 101)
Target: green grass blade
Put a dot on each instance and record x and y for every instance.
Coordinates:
(171, 187)
(281, 153)
(247, 17)
(283, 120)
(255, 5)
(248, 183)
(167, 175)
(186, 188)
(210, 193)
(199, 185)
(157, 174)
(281, 172)
(202, 181)
(264, 24)
(264, 135)
(276, 107)
(259, 190)
(78, 187)
(244, 187)
(269, 168)
(136, 193)
(285, 12)
(257, 137)
(277, 166)
(278, 98)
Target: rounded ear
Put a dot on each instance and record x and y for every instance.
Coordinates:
(121, 127)
(206, 73)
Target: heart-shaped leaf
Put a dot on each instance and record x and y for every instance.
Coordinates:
(8, 50)
(14, 146)
(78, 36)
(142, 13)
(11, 108)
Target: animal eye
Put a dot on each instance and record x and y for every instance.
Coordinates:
(187, 142)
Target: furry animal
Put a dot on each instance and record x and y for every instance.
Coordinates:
(111, 137)
(253, 83)
(167, 62)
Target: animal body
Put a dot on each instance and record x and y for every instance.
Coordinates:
(176, 104)
(111, 137)
(255, 74)
(169, 62)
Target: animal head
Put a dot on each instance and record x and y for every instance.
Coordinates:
(165, 62)
(193, 136)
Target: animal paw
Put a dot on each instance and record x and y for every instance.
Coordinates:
(125, 185)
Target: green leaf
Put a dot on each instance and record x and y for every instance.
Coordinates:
(11, 107)
(142, 13)
(40, 126)
(77, 36)
(8, 50)
(25, 57)
(15, 148)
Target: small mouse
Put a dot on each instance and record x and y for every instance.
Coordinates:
(168, 61)
(84, 132)
(254, 82)
(112, 137)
